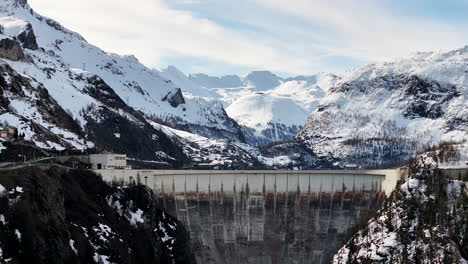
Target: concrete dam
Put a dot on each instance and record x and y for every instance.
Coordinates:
(265, 217)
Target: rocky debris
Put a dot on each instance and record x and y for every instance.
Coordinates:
(11, 49)
(28, 38)
(175, 98)
(53, 215)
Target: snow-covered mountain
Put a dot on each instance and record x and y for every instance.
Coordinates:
(64, 93)
(278, 114)
(268, 108)
(63, 57)
(209, 153)
(227, 81)
(383, 113)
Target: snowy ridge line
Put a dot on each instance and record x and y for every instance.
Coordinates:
(63, 62)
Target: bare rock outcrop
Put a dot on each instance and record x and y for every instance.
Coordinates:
(53, 215)
(11, 49)
(174, 98)
(28, 38)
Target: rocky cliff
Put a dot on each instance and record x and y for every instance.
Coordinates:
(424, 221)
(106, 98)
(380, 115)
(55, 215)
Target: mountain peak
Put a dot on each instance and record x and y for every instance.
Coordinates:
(265, 74)
(262, 80)
(173, 69)
(227, 81)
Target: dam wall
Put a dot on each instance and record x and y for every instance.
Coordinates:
(265, 217)
(456, 173)
(177, 181)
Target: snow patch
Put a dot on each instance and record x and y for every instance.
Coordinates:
(72, 246)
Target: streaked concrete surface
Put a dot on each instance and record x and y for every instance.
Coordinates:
(265, 217)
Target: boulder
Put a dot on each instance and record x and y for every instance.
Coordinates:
(28, 38)
(175, 98)
(11, 49)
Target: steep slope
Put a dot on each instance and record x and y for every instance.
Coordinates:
(424, 221)
(209, 153)
(230, 129)
(28, 106)
(278, 114)
(267, 118)
(101, 120)
(62, 51)
(52, 215)
(381, 114)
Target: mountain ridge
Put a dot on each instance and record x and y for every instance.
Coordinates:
(109, 99)
(390, 110)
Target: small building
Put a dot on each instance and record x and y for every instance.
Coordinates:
(108, 161)
(8, 132)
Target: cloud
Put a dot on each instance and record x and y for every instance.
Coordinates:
(368, 30)
(292, 37)
(150, 29)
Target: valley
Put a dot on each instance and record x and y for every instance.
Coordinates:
(108, 159)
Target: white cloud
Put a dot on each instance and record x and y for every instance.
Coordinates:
(294, 36)
(365, 30)
(149, 29)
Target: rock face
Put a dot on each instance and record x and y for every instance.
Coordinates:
(34, 112)
(380, 115)
(424, 221)
(28, 38)
(136, 136)
(67, 60)
(296, 155)
(51, 215)
(22, 2)
(174, 98)
(15, 89)
(10, 49)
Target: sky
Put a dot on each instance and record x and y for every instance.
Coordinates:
(293, 37)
